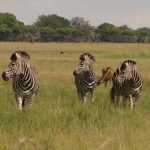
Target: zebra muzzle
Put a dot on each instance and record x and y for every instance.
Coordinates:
(5, 78)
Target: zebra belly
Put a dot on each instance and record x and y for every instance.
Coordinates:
(127, 90)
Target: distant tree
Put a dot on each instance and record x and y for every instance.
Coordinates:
(9, 27)
(143, 35)
(31, 33)
(107, 32)
(52, 21)
(47, 34)
(78, 22)
(128, 35)
(63, 34)
(6, 33)
(123, 27)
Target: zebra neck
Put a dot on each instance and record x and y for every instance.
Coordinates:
(135, 80)
(89, 80)
(25, 77)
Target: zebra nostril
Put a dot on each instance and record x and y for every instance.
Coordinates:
(5, 78)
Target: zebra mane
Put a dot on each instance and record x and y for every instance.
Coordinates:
(82, 57)
(130, 62)
(116, 74)
(22, 54)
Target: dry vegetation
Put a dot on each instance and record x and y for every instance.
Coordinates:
(57, 121)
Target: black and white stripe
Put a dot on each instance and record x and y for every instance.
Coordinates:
(25, 81)
(85, 78)
(127, 83)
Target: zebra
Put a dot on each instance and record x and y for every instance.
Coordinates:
(25, 80)
(85, 78)
(127, 83)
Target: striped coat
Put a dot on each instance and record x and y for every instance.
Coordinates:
(85, 78)
(25, 79)
(127, 83)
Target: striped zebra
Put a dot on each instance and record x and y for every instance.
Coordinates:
(126, 83)
(25, 82)
(85, 78)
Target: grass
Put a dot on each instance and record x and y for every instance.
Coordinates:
(57, 121)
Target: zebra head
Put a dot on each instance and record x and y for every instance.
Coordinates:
(125, 71)
(87, 57)
(86, 61)
(19, 60)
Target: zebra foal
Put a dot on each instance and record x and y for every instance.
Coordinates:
(127, 83)
(85, 78)
(25, 81)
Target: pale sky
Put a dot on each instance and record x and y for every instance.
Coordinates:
(134, 13)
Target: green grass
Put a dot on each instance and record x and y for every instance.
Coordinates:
(56, 120)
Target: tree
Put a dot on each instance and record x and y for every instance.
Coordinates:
(5, 33)
(107, 32)
(9, 27)
(143, 35)
(47, 34)
(128, 35)
(52, 21)
(30, 33)
(78, 22)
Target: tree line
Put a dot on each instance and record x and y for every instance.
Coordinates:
(54, 28)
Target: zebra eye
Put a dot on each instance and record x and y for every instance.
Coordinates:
(13, 64)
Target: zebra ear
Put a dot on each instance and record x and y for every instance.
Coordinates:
(84, 55)
(91, 57)
(19, 54)
(14, 56)
(130, 62)
(24, 55)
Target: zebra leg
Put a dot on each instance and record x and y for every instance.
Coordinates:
(23, 102)
(19, 101)
(79, 92)
(136, 100)
(92, 95)
(131, 102)
(112, 95)
(83, 96)
(30, 100)
(124, 101)
(84, 99)
(118, 101)
(80, 97)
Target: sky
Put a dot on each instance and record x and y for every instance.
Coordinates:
(134, 13)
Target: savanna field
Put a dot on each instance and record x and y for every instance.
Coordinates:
(57, 120)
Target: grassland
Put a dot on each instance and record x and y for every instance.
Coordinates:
(57, 121)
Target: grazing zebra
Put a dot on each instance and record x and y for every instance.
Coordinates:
(107, 75)
(85, 78)
(126, 83)
(25, 81)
